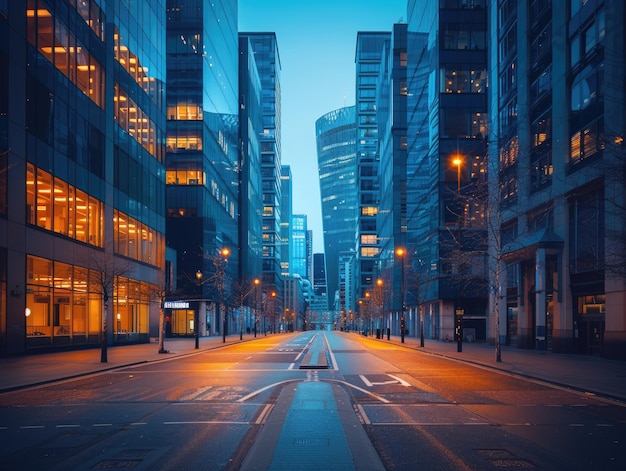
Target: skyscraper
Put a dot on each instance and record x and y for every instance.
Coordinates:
(286, 220)
(336, 156)
(447, 150)
(265, 47)
(202, 149)
(391, 110)
(298, 264)
(82, 127)
(369, 52)
(250, 180)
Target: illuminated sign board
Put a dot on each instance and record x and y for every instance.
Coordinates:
(176, 305)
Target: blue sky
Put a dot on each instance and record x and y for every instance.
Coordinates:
(316, 42)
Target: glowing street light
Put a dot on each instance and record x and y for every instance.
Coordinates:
(401, 253)
(196, 317)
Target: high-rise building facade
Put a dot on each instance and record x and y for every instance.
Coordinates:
(298, 262)
(448, 44)
(556, 153)
(392, 124)
(82, 126)
(336, 155)
(250, 181)
(286, 220)
(265, 47)
(369, 52)
(202, 153)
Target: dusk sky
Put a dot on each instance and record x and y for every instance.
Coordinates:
(316, 42)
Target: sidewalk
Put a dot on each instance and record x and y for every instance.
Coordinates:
(584, 373)
(594, 375)
(31, 370)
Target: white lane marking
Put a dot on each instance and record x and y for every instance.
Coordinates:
(102, 425)
(67, 426)
(31, 426)
(259, 391)
(366, 381)
(395, 380)
(400, 380)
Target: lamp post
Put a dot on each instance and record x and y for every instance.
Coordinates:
(221, 268)
(458, 311)
(196, 316)
(401, 253)
(257, 283)
(273, 310)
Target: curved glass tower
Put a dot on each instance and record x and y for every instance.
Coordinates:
(336, 155)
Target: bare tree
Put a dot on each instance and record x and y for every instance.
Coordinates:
(104, 269)
(242, 290)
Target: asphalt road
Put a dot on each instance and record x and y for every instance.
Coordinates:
(235, 408)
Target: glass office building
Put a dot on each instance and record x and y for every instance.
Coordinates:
(369, 53)
(299, 246)
(392, 123)
(202, 195)
(336, 156)
(82, 128)
(286, 220)
(447, 43)
(265, 47)
(250, 181)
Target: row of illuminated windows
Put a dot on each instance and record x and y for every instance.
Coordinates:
(458, 80)
(61, 47)
(368, 252)
(130, 62)
(66, 300)
(136, 240)
(136, 122)
(57, 206)
(184, 177)
(185, 111)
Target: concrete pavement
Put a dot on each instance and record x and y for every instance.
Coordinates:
(589, 374)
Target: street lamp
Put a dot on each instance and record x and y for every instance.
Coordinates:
(225, 252)
(368, 313)
(458, 311)
(273, 310)
(257, 283)
(401, 253)
(196, 316)
(458, 162)
(381, 302)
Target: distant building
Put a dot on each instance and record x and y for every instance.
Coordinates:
(336, 156)
(299, 246)
(286, 221)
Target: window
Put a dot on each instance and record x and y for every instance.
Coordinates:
(369, 239)
(54, 205)
(586, 235)
(368, 252)
(586, 142)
